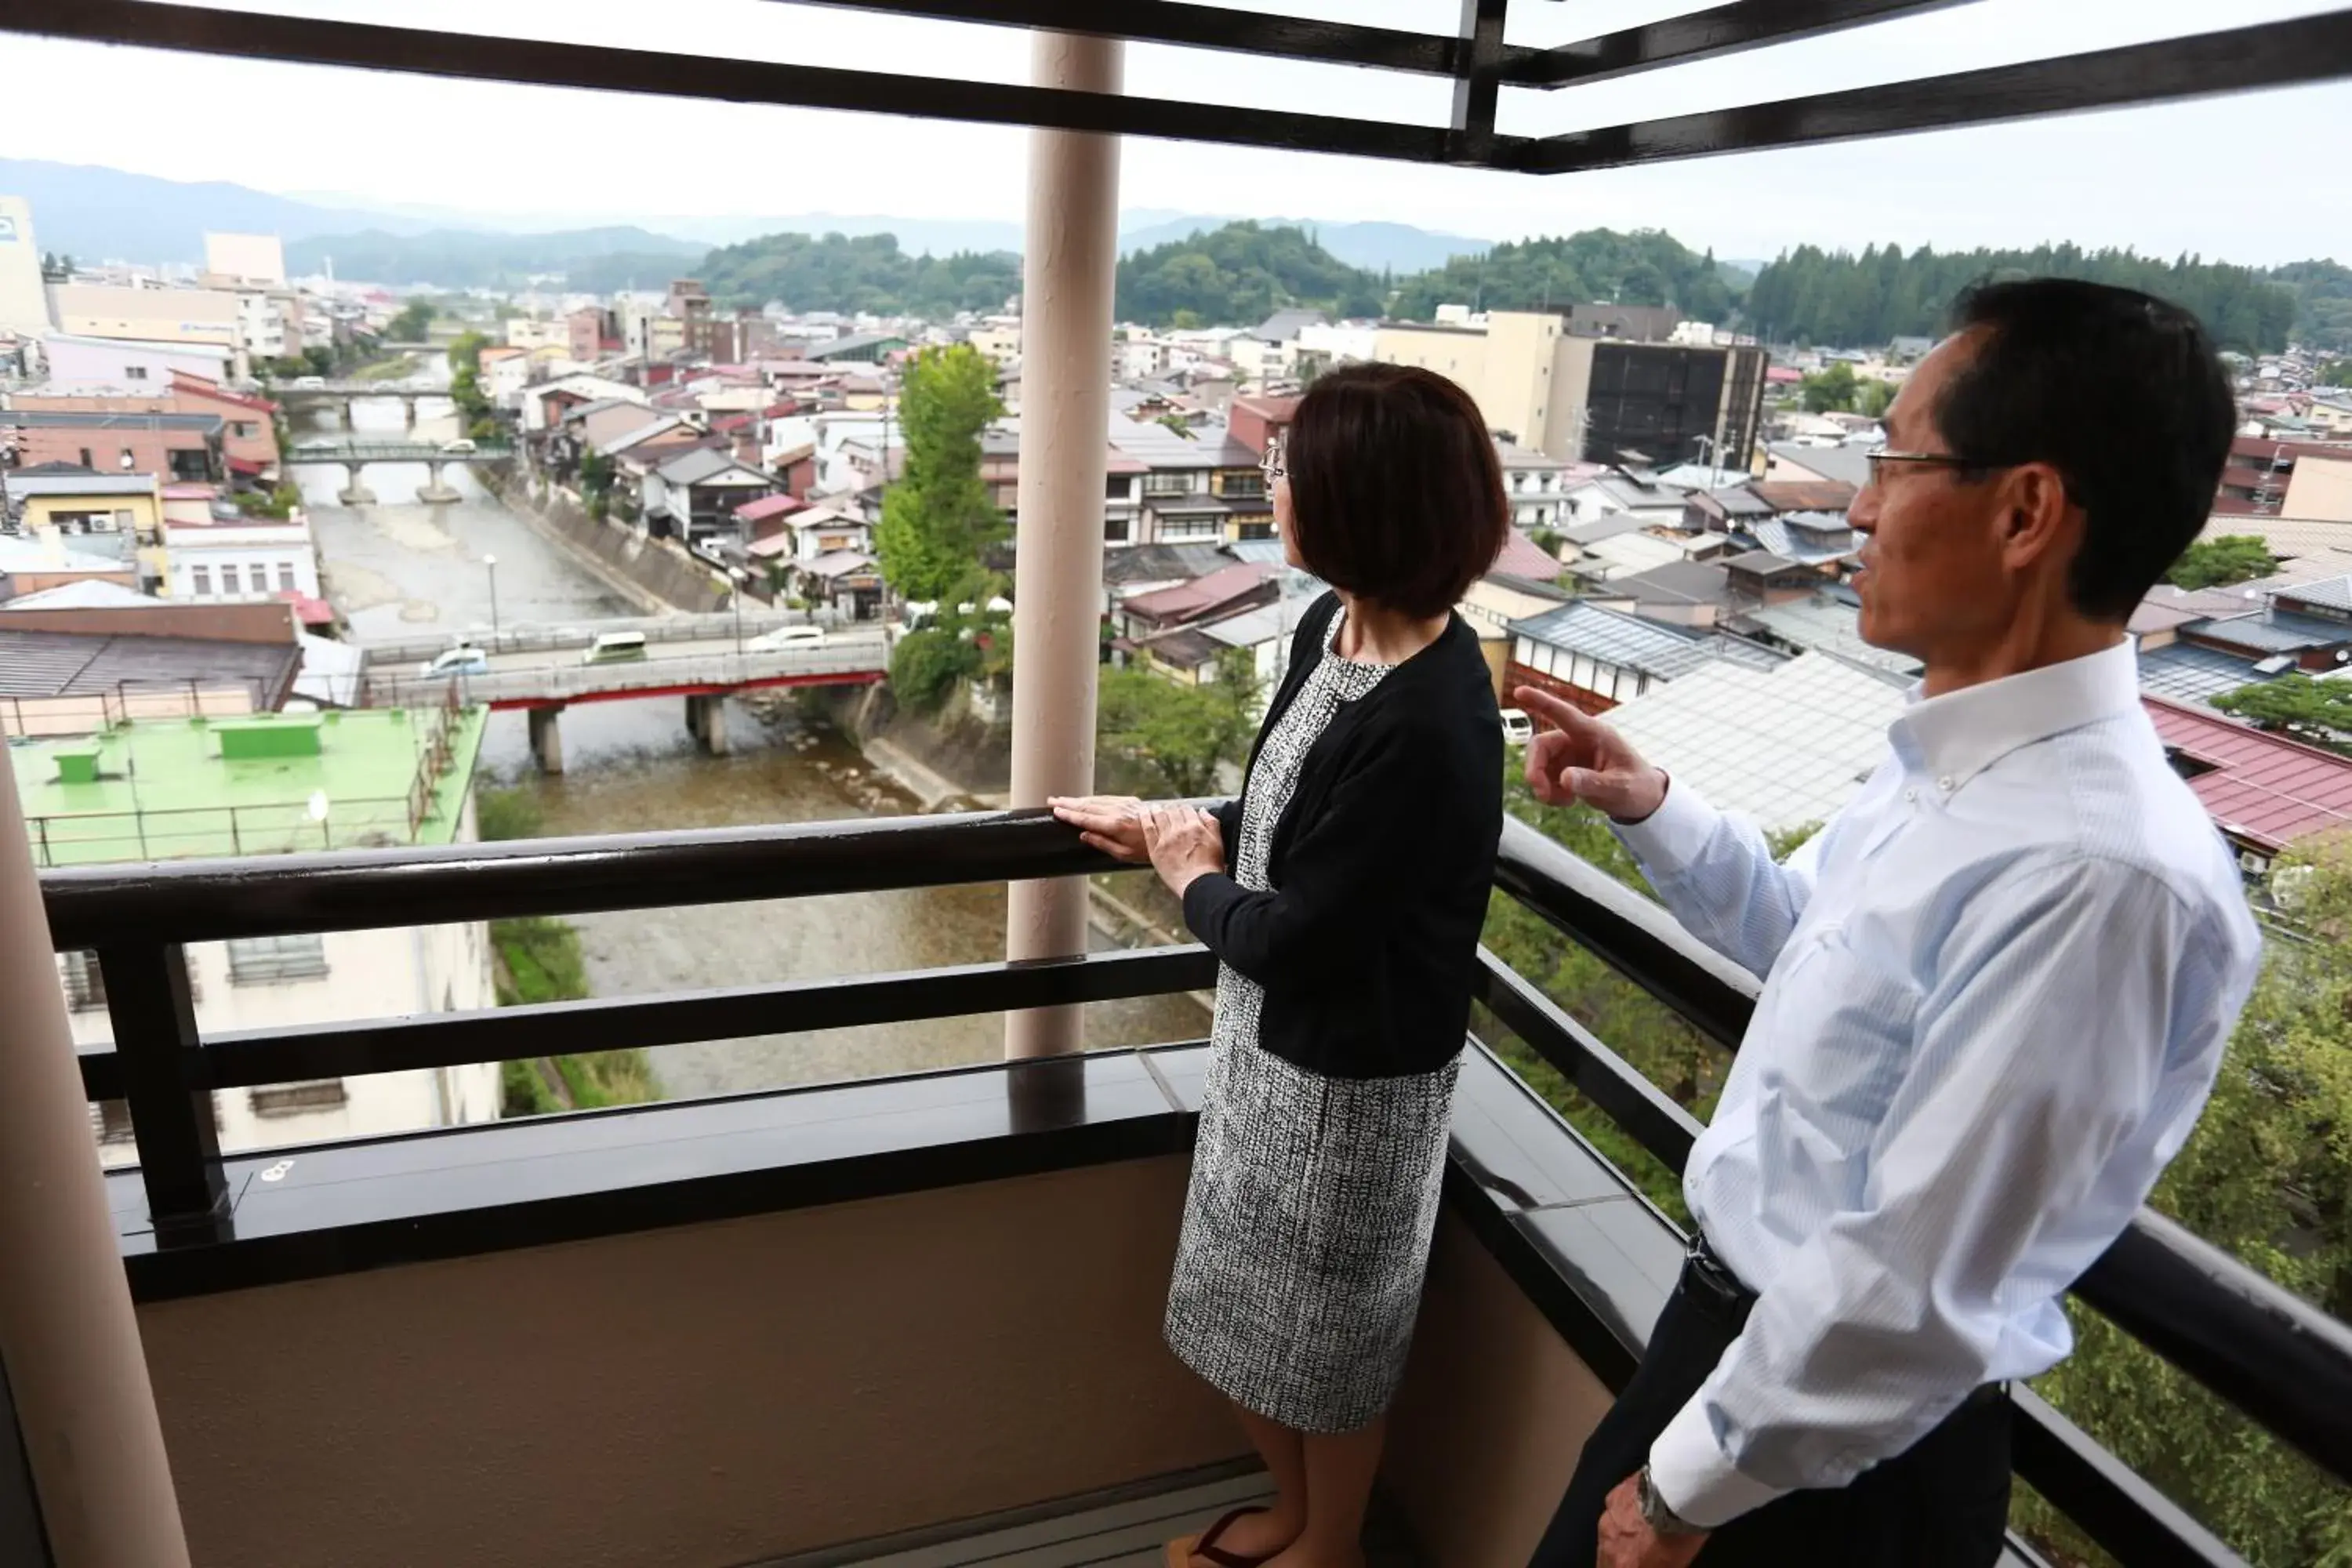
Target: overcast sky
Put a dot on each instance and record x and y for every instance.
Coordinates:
(2253, 179)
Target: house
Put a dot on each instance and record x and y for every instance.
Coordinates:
(767, 517)
(248, 436)
(1616, 493)
(544, 405)
(1596, 657)
(247, 786)
(1148, 568)
(1199, 486)
(250, 558)
(856, 348)
(1800, 462)
(1257, 421)
(31, 566)
(113, 517)
(848, 582)
(1828, 621)
(1226, 591)
(1785, 747)
(699, 493)
(1535, 483)
(2265, 792)
(169, 446)
(1698, 594)
(66, 671)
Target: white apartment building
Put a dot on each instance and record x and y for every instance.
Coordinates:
(24, 302)
(220, 563)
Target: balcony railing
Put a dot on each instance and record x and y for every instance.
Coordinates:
(2277, 1359)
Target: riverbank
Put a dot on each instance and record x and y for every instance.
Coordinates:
(653, 574)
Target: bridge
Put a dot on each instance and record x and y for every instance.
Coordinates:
(702, 673)
(342, 394)
(353, 455)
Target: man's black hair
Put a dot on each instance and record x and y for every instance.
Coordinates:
(2123, 394)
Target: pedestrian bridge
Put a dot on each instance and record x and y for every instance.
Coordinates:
(355, 455)
(703, 679)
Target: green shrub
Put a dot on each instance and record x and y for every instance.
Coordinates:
(926, 665)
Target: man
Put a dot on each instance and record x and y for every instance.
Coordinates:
(1997, 985)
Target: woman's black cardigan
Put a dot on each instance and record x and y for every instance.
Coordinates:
(1381, 866)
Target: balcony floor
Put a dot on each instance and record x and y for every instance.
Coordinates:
(1127, 1528)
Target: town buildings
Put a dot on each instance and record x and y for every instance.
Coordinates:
(270, 783)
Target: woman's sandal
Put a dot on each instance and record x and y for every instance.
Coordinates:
(1184, 1548)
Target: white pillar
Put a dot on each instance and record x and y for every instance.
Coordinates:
(1071, 249)
(66, 1331)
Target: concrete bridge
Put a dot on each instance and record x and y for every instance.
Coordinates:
(342, 394)
(702, 674)
(354, 454)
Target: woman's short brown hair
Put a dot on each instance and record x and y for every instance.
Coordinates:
(1396, 491)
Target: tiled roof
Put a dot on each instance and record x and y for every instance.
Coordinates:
(1787, 538)
(2330, 593)
(1677, 583)
(1218, 587)
(1523, 557)
(1829, 623)
(2275, 631)
(1626, 641)
(1844, 465)
(2266, 789)
(1804, 495)
(2187, 673)
(1787, 746)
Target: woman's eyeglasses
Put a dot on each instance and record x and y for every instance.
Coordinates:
(1271, 463)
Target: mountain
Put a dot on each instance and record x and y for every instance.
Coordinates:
(1239, 275)
(453, 258)
(868, 272)
(2323, 298)
(1647, 267)
(1374, 246)
(107, 215)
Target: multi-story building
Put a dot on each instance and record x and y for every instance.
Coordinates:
(1535, 483)
(218, 561)
(1602, 397)
(270, 783)
(24, 299)
(134, 363)
(170, 446)
(145, 312)
(248, 436)
(1201, 486)
(256, 259)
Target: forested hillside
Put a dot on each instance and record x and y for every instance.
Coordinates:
(866, 273)
(1647, 267)
(1239, 275)
(1839, 298)
(2323, 295)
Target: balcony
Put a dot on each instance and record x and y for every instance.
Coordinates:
(913, 1318)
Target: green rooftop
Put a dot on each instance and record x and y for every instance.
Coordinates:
(174, 789)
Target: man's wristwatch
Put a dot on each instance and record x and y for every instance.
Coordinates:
(1661, 1519)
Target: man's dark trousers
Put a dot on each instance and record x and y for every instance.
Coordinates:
(1944, 1504)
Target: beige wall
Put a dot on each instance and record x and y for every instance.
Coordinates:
(703, 1396)
(1521, 346)
(2320, 490)
(156, 315)
(269, 623)
(1493, 1412)
(146, 510)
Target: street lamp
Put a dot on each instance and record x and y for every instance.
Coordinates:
(491, 562)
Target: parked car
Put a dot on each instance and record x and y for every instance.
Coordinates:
(463, 659)
(309, 381)
(615, 647)
(784, 638)
(461, 445)
(1517, 728)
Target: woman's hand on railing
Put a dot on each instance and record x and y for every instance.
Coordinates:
(1186, 844)
(1111, 823)
(1581, 758)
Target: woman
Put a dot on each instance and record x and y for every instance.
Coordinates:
(1343, 894)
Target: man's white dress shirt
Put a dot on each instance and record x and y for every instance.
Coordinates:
(1997, 989)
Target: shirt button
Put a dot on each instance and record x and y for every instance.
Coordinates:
(1911, 795)
(1945, 784)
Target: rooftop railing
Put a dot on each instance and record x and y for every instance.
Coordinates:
(2279, 1361)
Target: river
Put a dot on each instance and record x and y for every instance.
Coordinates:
(407, 569)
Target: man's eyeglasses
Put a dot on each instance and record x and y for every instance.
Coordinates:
(1271, 463)
(1879, 458)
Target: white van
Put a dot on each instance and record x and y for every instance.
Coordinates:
(784, 638)
(615, 647)
(1517, 728)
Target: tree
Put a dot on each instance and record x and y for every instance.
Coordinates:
(2218, 562)
(1878, 396)
(1830, 390)
(1183, 734)
(413, 323)
(937, 521)
(2317, 711)
(2338, 372)
(465, 352)
(318, 360)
